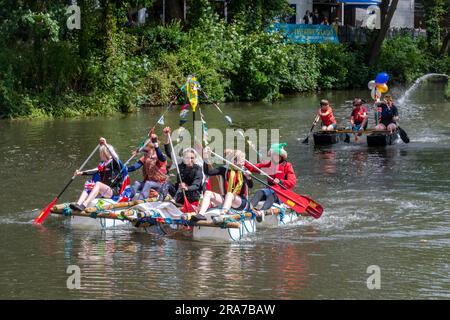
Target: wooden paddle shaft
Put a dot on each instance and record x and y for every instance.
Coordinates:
(79, 169)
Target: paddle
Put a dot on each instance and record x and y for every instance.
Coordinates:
(147, 140)
(187, 206)
(227, 118)
(305, 200)
(312, 128)
(45, 212)
(403, 135)
(298, 203)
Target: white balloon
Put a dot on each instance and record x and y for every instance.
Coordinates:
(371, 84)
(374, 92)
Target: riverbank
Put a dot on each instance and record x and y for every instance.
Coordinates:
(56, 73)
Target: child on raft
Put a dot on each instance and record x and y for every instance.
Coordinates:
(154, 172)
(236, 183)
(281, 173)
(105, 182)
(358, 117)
(326, 115)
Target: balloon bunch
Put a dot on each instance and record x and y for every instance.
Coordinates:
(378, 86)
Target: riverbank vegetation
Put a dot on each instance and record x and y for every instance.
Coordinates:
(108, 66)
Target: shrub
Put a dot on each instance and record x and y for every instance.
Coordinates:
(403, 59)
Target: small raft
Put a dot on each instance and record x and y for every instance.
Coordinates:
(382, 138)
(327, 137)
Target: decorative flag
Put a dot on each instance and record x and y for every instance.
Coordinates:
(125, 191)
(161, 120)
(191, 88)
(184, 114)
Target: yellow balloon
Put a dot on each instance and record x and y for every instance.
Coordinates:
(382, 87)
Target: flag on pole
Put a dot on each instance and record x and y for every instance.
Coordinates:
(161, 120)
(191, 88)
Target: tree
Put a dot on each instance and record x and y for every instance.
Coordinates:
(446, 41)
(383, 30)
(435, 12)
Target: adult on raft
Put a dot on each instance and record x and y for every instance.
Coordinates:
(103, 177)
(153, 165)
(326, 115)
(387, 114)
(236, 183)
(281, 174)
(358, 117)
(190, 171)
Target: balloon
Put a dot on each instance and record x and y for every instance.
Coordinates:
(382, 77)
(383, 88)
(375, 93)
(371, 84)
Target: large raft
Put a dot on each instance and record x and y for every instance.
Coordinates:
(164, 218)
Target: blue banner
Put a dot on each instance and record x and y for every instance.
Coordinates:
(307, 33)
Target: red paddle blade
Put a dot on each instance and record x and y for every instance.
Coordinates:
(44, 213)
(187, 207)
(300, 204)
(314, 208)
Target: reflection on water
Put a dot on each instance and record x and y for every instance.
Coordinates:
(383, 206)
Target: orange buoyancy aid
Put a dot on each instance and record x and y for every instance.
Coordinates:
(329, 118)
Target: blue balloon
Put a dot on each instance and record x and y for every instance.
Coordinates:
(382, 78)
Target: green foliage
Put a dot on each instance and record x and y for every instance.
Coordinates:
(435, 12)
(47, 70)
(403, 58)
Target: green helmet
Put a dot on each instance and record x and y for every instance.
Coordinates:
(278, 148)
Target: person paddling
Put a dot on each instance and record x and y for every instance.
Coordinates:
(281, 174)
(191, 173)
(326, 115)
(153, 165)
(387, 114)
(358, 117)
(236, 184)
(103, 176)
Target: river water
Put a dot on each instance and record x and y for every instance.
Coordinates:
(384, 207)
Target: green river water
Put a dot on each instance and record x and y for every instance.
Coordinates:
(387, 207)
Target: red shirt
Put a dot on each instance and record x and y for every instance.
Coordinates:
(329, 118)
(284, 172)
(358, 115)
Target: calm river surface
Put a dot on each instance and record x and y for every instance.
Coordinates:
(388, 207)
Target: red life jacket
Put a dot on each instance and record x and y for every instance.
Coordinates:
(358, 115)
(328, 119)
